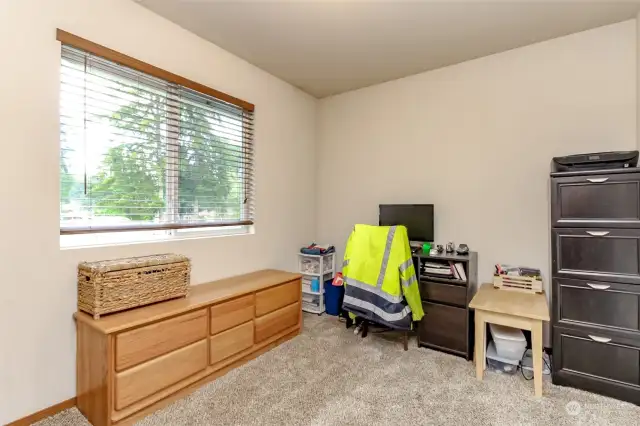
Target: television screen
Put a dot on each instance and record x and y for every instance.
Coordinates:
(418, 218)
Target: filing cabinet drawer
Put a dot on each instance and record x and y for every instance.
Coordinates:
(608, 200)
(596, 362)
(597, 254)
(593, 303)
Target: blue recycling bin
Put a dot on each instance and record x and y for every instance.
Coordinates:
(333, 296)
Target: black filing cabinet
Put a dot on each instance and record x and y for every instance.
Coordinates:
(448, 324)
(595, 248)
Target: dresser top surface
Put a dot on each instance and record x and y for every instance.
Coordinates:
(490, 299)
(199, 296)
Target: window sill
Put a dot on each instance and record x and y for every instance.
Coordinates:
(84, 241)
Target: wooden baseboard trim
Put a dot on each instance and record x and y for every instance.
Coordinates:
(44, 413)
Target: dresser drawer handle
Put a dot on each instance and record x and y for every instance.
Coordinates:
(599, 339)
(599, 286)
(597, 233)
(598, 180)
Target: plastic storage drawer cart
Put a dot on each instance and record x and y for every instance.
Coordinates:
(115, 285)
(316, 269)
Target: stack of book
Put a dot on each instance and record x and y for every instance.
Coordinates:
(452, 270)
(437, 269)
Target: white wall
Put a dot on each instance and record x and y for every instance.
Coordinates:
(37, 296)
(476, 140)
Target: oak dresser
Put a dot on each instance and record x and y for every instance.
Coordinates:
(132, 363)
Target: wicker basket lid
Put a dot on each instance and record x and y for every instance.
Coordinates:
(132, 262)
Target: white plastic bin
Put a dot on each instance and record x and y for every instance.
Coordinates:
(500, 364)
(510, 342)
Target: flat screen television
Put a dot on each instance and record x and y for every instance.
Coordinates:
(418, 218)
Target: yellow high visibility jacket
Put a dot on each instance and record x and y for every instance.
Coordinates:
(379, 276)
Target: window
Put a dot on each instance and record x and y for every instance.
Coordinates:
(142, 149)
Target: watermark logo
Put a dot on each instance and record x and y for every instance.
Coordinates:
(573, 408)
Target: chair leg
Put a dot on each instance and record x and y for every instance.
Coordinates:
(405, 340)
(365, 328)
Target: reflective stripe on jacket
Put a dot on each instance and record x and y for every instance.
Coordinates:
(380, 278)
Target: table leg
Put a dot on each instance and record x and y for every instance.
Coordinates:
(536, 343)
(480, 344)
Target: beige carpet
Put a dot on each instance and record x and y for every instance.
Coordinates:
(328, 376)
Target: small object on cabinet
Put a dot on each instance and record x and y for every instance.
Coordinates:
(462, 249)
(451, 247)
(440, 248)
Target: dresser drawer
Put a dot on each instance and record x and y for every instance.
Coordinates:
(145, 343)
(596, 253)
(443, 293)
(444, 326)
(230, 342)
(597, 362)
(277, 321)
(231, 313)
(276, 297)
(589, 303)
(146, 379)
(608, 200)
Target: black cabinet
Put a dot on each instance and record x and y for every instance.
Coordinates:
(448, 323)
(595, 248)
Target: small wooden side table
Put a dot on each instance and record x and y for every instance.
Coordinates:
(512, 309)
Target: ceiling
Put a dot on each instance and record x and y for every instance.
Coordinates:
(326, 47)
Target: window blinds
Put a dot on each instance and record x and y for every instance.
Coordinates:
(138, 152)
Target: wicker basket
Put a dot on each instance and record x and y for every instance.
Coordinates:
(115, 285)
(516, 283)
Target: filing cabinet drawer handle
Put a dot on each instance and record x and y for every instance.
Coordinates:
(599, 286)
(597, 233)
(598, 180)
(599, 339)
